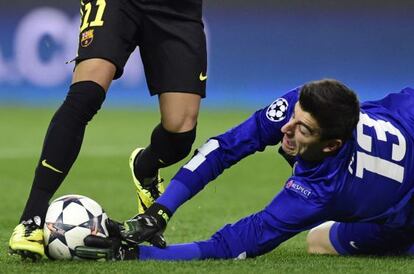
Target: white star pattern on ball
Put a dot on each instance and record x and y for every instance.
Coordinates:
(69, 220)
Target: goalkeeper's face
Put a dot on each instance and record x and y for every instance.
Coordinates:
(302, 136)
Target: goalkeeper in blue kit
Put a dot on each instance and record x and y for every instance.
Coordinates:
(352, 183)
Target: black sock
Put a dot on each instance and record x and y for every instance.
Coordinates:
(166, 148)
(62, 144)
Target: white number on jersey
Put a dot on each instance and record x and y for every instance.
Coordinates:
(377, 165)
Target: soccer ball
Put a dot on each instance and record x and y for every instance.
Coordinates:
(69, 219)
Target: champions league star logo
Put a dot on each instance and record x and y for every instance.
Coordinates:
(277, 111)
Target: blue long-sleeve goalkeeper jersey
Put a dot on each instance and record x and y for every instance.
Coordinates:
(370, 179)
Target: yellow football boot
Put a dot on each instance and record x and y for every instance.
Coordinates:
(27, 240)
(149, 189)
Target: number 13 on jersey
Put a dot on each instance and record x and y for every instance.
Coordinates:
(365, 160)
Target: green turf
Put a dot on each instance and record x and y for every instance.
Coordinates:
(101, 172)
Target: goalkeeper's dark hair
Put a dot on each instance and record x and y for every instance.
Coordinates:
(334, 106)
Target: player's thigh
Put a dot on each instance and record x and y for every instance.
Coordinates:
(179, 110)
(173, 50)
(107, 37)
(369, 239)
(318, 239)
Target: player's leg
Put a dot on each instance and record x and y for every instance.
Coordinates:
(97, 64)
(171, 141)
(65, 133)
(358, 239)
(174, 55)
(61, 146)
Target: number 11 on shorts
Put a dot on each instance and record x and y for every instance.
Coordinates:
(86, 12)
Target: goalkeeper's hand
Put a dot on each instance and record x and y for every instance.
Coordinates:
(108, 249)
(147, 227)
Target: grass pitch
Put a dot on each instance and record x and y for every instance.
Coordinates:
(101, 172)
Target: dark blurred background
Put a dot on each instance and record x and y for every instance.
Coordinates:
(257, 50)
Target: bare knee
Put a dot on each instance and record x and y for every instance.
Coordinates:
(97, 70)
(179, 111)
(318, 240)
(179, 123)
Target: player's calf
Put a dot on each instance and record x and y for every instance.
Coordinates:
(166, 148)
